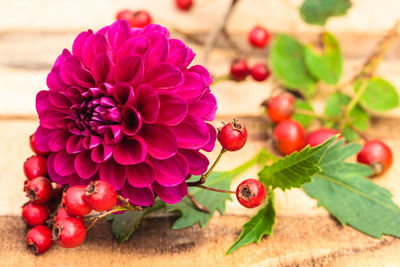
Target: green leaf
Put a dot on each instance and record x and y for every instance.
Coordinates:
(296, 168)
(326, 66)
(288, 64)
(318, 11)
(212, 200)
(259, 225)
(305, 120)
(380, 95)
(353, 199)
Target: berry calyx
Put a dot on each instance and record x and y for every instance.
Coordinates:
(141, 19)
(39, 239)
(281, 107)
(239, 69)
(251, 193)
(39, 190)
(34, 214)
(126, 15)
(35, 166)
(184, 5)
(260, 72)
(319, 136)
(376, 154)
(232, 136)
(259, 37)
(33, 145)
(100, 195)
(289, 136)
(69, 232)
(74, 201)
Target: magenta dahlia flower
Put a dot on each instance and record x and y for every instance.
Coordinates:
(125, 107)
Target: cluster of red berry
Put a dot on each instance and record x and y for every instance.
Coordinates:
(49, 207)
(137, 19)
(289, 135)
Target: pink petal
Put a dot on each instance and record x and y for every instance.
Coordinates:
(132, 120)
(160, 140)
(64, 163)
(83, 77)
(67, 67)
(147, 103)
(198, 163)
(54, 81)
(130, 151)
(171, 195)
(123, 93)
(91, 141)
(74, 144)
(135, 46)
(42, 137)
(138, 196)
(164, 76)
(55, 177)
(84, 166)
(113, 134)
(205, 107)
(192, 133)
(113, 173)
(58, 100)
(158, 48)
(94, 44)
(117, 34)
(213, 137)
(129, 69)
(50, 118)
(171, 171)
(173, 108)
(203, 72)
(140, 175)
(58, 140)
(43, 101)
(101, 67)
(102, 153)
(179, 54)
(79, 41)
(193, 87)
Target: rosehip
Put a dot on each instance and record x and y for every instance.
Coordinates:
(281, 107)
(35, 166)
(39, 190)
(251, 193)
(239, 69)
(74, 201)
(100, 195)
(319, 136)
(184, 4)
(376, 154)
(232, 136)
(289, 136)
(33, 145)
(260, 72)
(34, 214)
(259, 37)
(141, 19)
(39, 239)
(61, 213)
(69, 232)
(126, 15)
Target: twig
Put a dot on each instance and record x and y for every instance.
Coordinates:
(197, 204)
(95, 219)
(361, 134)
(216, 190)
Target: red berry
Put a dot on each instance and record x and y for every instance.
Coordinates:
(69, 232)
(260, 72)
(74, 201)
(376, 154)
(281, 107)
(251, 193)
(35, 166)
(289, 136)
(61, 213)
(232, 136)
(33, 145)
(34, 214)
(39, 190)
(259, 37)
(126, 15)
(100, 195)
(39, 239)
(319, 136)
(184, 4)
(141, 19)
(239, 69)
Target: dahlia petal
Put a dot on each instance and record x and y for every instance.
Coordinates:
(130, 151)
(107, 102)
(49, 118)
(58, 100)
(171, 195)
(54, 81)
(203, 72)
(164, 76)
(112, 134)
(91, 141)
(60, 58)
(213, 137)
(58, 140)
(43, 101)
(84, 166)
(193, 87)
(113, 173)
(179, 54)
(129, 69)
(74, 94)
(160, 140)
(74, 179)
(106, 88)
(79, 41)
(155, 28)
(138, 196)
(140, 175)
(147, 103)
(198, 163)
(132, 120)
(94, 44)
(112, 114)
(171, 171)
(205, 107)
(123, 93)
(158, 48)
(67, 66)
(83, 77)
(117, 34)
(74, 144)
(173, 108)
(101, 67)
(42, 136)
(192, 133)
(64, 163)
(135, 46)
(55, 177)
(101, 153)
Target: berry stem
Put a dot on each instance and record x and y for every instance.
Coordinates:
(197, 204)
(361, 134)
(103, 215)
(127, 205)
(216, 190)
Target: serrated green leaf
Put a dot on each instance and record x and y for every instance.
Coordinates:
(380, 95)
(258, 226)
(326, 65)
(288, 64)
(318, 11)
(343, 189)
(305, 120)
(295, 169)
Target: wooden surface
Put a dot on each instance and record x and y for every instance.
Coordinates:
(32, 34)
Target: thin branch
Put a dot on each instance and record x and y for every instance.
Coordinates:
(197, 204)
(216, 190)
